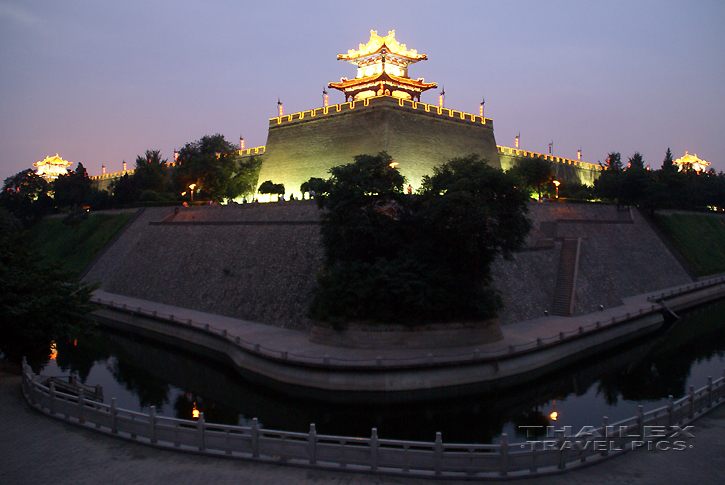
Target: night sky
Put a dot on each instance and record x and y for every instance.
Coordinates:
(102, 82)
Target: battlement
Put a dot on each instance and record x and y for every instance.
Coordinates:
(515, 152)
(112, 175)
(377, 101)
(250, 152)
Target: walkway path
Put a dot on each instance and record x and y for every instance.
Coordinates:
(296, 342)
(35, 449)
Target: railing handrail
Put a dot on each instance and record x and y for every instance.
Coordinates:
(419, 458)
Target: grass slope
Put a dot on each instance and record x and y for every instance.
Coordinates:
(73, 248)
(700, 240)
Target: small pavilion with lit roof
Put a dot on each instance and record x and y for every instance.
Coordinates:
(52, 167)
(382, 70)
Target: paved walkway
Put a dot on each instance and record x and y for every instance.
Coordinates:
(295, 342)
(36, 449)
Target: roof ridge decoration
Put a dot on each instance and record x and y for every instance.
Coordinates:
(382, 70)
(376, 43)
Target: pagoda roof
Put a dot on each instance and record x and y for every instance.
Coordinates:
(56, 160)
(378, 44)
(385, 77)
(691, 160)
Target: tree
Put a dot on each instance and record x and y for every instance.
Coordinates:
(38, 302)
(72, 189)
(210, 163)
(391, 257)
(269, 187)
(244, 181)
(150, 173)
(25, 195)
(533, 173)
(315, 185)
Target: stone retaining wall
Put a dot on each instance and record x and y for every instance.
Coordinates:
(259, 262)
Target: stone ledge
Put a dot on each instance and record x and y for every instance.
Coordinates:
(433, 336)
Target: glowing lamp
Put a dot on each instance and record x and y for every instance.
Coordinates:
(557, 183)
(393, 164)
(553, 415)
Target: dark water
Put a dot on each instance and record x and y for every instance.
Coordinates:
(141, 374)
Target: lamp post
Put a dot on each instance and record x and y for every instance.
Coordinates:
(191, 191)
(557, 183)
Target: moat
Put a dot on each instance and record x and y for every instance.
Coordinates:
(141, 374)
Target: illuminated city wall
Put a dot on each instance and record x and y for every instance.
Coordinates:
(565, 170)
(418, 136)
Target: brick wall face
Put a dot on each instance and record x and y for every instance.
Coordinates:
(235, 265)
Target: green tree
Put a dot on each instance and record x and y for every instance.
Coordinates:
(269, 187)
(151, 172)
(314, 185)
(25, 195)
(533, 173)
(38, 302)
(72, 189)
(210, 163)
(244, 180)
(390, 257)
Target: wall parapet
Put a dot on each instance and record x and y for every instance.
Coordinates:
(408, 105)
(435, 459)
(516, 152)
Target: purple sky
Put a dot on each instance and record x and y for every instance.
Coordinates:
(101, 82)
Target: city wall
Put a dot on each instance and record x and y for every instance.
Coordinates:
(418, 136)
(258, 262)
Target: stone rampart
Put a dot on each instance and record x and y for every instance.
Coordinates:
(301, 146)
(259, 262)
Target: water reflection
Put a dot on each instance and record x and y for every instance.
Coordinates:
(607, 384)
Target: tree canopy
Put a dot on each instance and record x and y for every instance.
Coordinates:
(533, 173)
(38, 302)
(392, 257)
(211, 164)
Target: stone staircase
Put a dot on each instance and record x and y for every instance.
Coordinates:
(566, 278)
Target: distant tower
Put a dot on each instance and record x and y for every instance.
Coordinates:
(579, 154)
(517, 140)
(103, 167)
(551, 147)
(325, 98)
(124, 165)
(442, 97)
(480, 109)
(279, 107)
(241, 143)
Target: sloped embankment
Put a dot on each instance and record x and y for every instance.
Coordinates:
(259, 262)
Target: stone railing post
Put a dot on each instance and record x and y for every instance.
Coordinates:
(691, 396)
(605, 429)
(81, 405)
(504, 451)
(374, 450)
(640, 421)
(439, 454)
(114, 415)
(255, 438)
(312, 445)
(200, 428)
(563, 450)
(709, 391)
(152, 425)
(670, 410)
(51, 395)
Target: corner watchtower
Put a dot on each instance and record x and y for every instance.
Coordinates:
(382, 70)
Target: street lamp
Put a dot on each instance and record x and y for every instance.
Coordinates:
(557, 183)
(191, 188)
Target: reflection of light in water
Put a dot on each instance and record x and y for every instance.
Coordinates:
(554, 414)
(53, 351)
